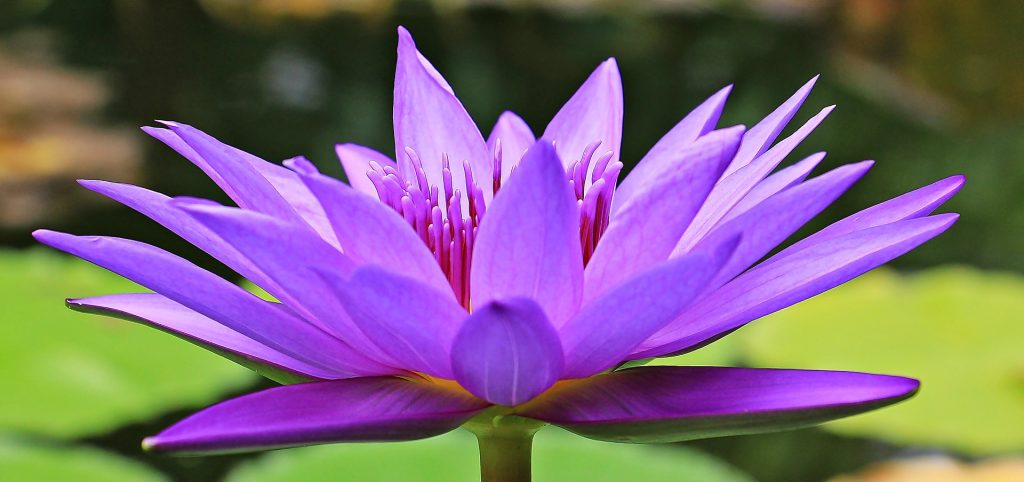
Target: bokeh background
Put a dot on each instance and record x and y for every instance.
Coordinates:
(929, 88)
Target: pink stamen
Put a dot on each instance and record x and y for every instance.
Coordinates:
(450, 231)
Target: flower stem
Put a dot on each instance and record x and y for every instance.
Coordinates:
(505, 442)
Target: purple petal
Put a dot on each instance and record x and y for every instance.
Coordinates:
(664, 156)
(431, 121)
(357, 410)
(914, 204)
(771, 185)
(289, 255)
(161, 209)
(672, 404)
(592, 114)
(606, 330)
(355, 160)
(371, 232)
(217, 299)
(515, 137)
(771, 222)
(408, 320)
(250, 181)
(643, 232)
(761, 136)
(507, 352)
(528, 243)
(734, 187)
(166, 315)
(781, 282)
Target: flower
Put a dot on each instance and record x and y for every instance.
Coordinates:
(510, 278)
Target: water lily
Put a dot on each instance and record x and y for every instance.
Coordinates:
(506, 283)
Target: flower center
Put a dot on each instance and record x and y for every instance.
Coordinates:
(450, 231)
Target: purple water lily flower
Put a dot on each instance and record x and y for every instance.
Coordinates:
(505, 283)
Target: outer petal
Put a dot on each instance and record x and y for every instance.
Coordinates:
(355, 410)
(431, 120)
(161, 209)
(778, 283)
(672, 404)
(371, 232)
(250, 181)
(777, 182)
(592, 114)
(166, 315)
(914, 204)
(408, 320)
(607, 329)
(663, 158)
(774, 220)
(734, 187)
(761, 136)
(213, 297)
(355, 160)
(289, 255)
(644, 231)
(515, 137)
(528, 243)
(507, 352)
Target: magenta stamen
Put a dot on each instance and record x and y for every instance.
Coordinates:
(449, 231)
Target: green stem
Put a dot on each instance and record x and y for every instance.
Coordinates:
(505, 442)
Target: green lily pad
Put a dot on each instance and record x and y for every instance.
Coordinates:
(68, 374)
(558, 455)
(958, 330)
(24, 461)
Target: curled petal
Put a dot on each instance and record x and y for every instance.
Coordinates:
(376, 409)
(672, 404)
(507, 352)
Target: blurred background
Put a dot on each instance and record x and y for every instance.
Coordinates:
(928, 88)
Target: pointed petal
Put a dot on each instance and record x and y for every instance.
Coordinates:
(664, 156)
(673, 404)
(356, 410)
(734, 187)
(213, 297)
(644, 231)
(372, 233)
(355, 160)
(528, 243)
(166, 315)
(592, 114)
(781, 282)
(251, 182)
(408, 320)
(507, 352)
(771, 222)
(430, 119)
(775, 183)
(607, 329)
(914, 204)
(515, 137)
(287, 253)
(161, 209)
(761, 136)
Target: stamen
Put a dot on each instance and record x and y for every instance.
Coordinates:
(450, 231)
